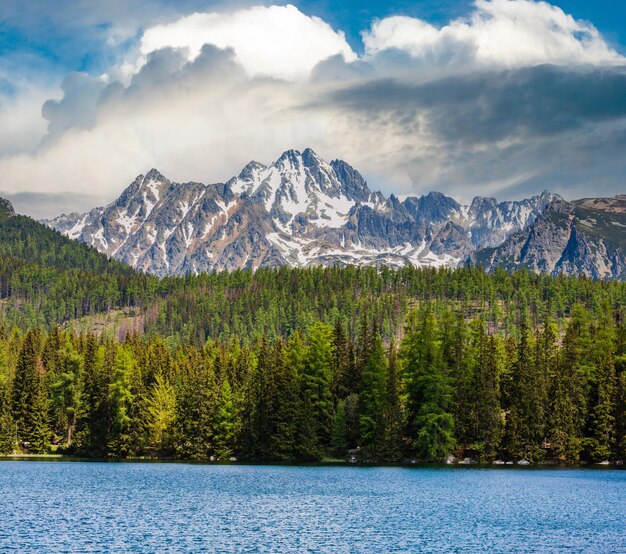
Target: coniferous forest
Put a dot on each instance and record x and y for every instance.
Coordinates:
(305, 364)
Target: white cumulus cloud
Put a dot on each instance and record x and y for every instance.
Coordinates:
(274, 41)
(505, 33)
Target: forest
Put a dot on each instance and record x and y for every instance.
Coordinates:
(286, 365)
(379, 366)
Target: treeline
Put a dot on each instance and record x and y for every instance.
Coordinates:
(442, 384)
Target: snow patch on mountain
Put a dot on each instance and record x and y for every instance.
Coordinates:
(298, 211)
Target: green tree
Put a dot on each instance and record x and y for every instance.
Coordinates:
(66, 389)
(316, 378)
(161, 408)
(227, 423)
(338, 437)
(488, 411)
(286, 406)
(372, 399)
(121, 397)
(602, 424)
(392, 419)
(430, 391)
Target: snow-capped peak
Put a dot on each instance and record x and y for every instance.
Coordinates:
(298, 210)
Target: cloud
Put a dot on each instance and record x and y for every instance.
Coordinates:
(490, 106)
(456, 108)
(41, 205)
(274, 41)
(507, 33)
(76, 108)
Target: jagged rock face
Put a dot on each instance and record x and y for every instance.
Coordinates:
(584, 237)
(298, 211)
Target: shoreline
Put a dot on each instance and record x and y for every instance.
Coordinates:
(321, 463)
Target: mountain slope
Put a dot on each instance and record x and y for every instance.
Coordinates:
(47, 278)
(298, 211)
(24, 239)
(583, 237)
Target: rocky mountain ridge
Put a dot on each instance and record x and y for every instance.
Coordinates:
(582, 237)
(297, 211)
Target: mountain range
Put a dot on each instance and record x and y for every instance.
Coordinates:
(302, 211)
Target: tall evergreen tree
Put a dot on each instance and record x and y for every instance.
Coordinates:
(392, 417)
(316, 379)
(66, 388)
(121, 396)
(227, 423)
(488, 411)
(373, 398)
(431, 423)
(286, 406)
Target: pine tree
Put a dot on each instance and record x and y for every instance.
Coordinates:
(93, 423)
(286, 406)
(39, 431)
(431, 423)
(7, 425)
(566, 393)
(226, 423)
(316, 379)
(488, 411)
(525, 419)
(341, 362)
(263, 396)
(30, 401)
(603, 409)
(66, 389)
(25, 386)
(121, 396)
(372, 399)
(392, 419)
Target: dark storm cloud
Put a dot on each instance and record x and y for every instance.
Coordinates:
(494, 106)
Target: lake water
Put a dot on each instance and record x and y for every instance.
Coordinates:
(103, 507)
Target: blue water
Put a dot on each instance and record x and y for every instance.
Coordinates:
(104, 507)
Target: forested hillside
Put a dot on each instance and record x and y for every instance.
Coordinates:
(47, 278)
(306, 364)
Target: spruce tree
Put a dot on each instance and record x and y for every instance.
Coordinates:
(92, 427)
(286, 406)
(226, 423)
(7, 425)
(373, 397)
(392, 418)
(602, 424)
(66, 390)
(488, 411)
(25, 386)
(564, 421)
(431, 423)
(316, 379)
(122, 397)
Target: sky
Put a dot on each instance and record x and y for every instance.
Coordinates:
(502, 98)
